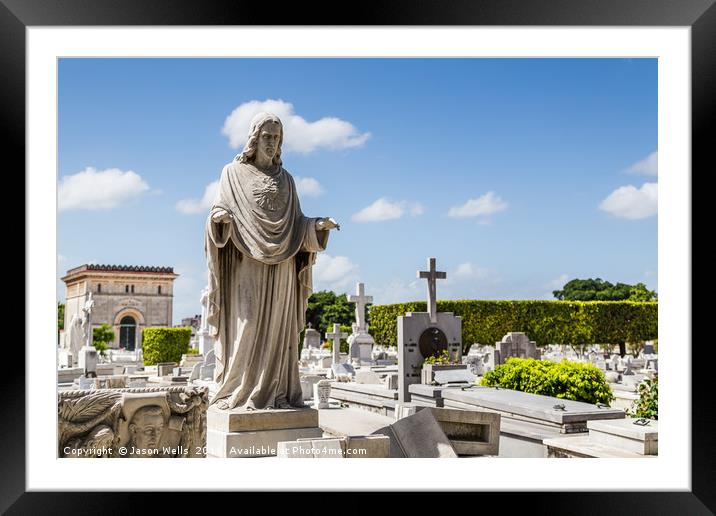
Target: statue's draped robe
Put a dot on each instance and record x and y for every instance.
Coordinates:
(75, 338)
(259, 283)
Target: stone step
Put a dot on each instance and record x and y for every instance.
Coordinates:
(581, 446)
(626, 435)
(242, 420)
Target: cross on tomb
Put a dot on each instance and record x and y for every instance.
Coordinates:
(336, 337)
(361, 300)
(432, 275)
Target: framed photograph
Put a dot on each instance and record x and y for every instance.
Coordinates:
(500, 186)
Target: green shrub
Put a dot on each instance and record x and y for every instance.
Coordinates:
(103, 334)
(546, 322)
(101, 347)
(442, 358)
(568, 380)
(648, 403)
(192, 351)
(165, 344)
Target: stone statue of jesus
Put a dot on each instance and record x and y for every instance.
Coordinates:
(260, 250)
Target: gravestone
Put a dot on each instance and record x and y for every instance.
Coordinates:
(311, 338)
(424, 334)
(206, 372)
(84, 383)
(454, 377)
(336, 337)
(628, 367)
(321, 393)
(391, 380)
(649, 347)
(366, 376)
(165, 368)
(418, 436)
(64, 358)
(515, 344)
(195, 372)
(343, 371)
(88, 360)
(307, 383)
(475, 362)
(360, 341)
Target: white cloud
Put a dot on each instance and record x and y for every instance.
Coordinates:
(334, 272)
(648, 166)
(398, 292)
(384, 209)
(630, 202)
(557, 283)
(482, 206)
(466, 281)
(299, 135)
(308, 186)
(203, 205)
(94, 189)
(468, 270)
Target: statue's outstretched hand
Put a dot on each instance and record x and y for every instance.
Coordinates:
(221, 216)
(327, 223)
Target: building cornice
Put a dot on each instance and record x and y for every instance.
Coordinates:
(119, 271)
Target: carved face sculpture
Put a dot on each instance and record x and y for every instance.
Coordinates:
(269, 137)
(146, 427)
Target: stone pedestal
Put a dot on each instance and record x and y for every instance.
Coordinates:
(64, 358)
(360, 347)
(88, 360)
(239, 433)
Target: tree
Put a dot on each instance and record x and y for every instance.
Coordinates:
(600, 290)
(326, 308)
(60, 319)
(101, 337)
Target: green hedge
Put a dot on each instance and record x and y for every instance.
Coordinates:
(545, 322)
(165, 344)
(565, 379)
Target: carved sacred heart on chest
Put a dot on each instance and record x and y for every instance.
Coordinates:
(267, 193)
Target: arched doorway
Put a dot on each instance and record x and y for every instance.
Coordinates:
(127, 333)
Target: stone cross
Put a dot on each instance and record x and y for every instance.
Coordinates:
(432, 275)
(361, 300)
(336, 336)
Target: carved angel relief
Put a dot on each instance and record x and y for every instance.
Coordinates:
(146, 422)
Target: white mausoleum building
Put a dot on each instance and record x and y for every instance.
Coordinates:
(128, 298)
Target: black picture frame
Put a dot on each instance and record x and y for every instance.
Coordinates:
(699, 15)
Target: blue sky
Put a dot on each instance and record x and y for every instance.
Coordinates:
(516, 174)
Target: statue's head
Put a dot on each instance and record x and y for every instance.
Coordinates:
(265, 138)
(146, 427)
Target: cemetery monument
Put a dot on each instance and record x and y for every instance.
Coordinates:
(260, 250)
